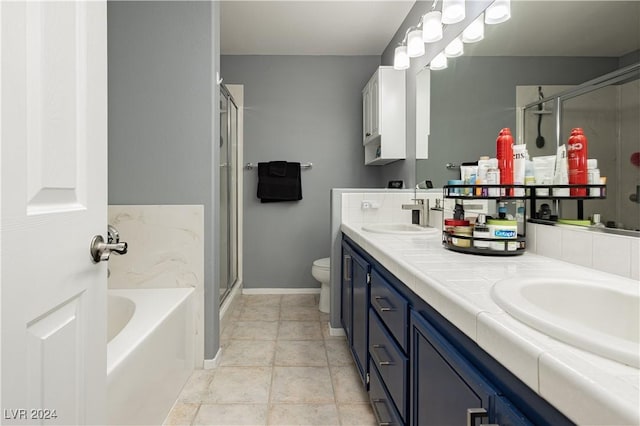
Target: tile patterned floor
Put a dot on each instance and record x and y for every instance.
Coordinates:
(279, 366)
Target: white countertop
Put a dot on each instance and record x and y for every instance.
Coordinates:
(587, 388)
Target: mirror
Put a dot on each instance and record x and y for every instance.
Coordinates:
(608, 109)
(554, 45)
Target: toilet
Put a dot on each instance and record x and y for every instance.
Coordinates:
(320, 271)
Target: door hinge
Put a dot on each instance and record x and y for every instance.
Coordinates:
(368, 277)
(367, 378)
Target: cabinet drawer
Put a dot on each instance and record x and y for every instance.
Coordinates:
(392, 308)
(383, 408)
(390, 361)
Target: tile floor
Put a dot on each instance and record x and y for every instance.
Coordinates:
(279, 366)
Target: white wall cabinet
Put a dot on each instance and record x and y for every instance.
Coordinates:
(383, 117)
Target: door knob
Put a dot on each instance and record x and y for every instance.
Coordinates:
(100, 251)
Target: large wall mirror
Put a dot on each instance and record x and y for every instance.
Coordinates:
(608, 108)
(552, 45)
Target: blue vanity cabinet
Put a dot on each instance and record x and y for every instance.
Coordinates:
(424, 370)
(346, 290)
(388, 343)
(443, 385)
(355, 292)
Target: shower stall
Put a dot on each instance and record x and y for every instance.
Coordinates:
(228, 244)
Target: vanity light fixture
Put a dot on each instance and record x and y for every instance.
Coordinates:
(454, 49)
(498, 12)
(439, 62)
(401, 58)
(475, 31)
(415, 44)
(452, 11)
(432, 26)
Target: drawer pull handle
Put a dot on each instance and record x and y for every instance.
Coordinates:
(375, 357)
(379, 307)
(346, 262)
(381, 422)
(474, 414)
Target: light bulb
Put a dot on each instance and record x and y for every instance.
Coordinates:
(432, 27)
(400, 58)
(415, 44)
(475, 31)
(498, 12)
(454, 49)
(452, 11)
(439, 62)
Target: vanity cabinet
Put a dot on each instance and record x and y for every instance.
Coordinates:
(355, 307)
(445, 387)
(388, 329)
(383, 117)
(423, 370)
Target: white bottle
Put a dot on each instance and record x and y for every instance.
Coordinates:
(483, 168)
(593, 176)
(493, 177)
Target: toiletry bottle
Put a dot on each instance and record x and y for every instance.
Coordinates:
(493, 178)
(481, 178)
(596, 222)
(458, 212)
(504, 153)
(577, 147)
(481, 230)
(502, 210)
(529, 172)
(593, 176)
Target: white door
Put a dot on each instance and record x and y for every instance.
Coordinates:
(53, 200)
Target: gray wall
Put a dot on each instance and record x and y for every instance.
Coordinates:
(306, 109)
(475, 97)
(161, 56)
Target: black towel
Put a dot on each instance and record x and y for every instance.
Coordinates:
(279, 181)
(277, 168)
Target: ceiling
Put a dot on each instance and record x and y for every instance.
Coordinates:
(365, 27)
(309, 27)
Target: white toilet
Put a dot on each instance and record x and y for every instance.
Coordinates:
(320, 271)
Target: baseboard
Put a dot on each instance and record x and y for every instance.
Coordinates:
(230, 299)
(252, 291)
(210, 364)
(339, 331)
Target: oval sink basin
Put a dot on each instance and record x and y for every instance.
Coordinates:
(588, 315)
(398, 228)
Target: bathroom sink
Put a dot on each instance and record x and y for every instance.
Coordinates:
(591, 316)
(399, 228)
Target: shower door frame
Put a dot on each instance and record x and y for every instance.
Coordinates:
(233, 208)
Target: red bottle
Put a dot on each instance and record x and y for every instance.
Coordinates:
(504, 154)
(577, 156)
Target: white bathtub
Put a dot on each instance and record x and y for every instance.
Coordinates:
(150, 352)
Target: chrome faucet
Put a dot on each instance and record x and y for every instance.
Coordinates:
(419, 211)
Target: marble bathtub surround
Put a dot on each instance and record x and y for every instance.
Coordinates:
(166, 249)
(281, 369)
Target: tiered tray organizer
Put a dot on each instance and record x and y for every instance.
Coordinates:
(600, 190)
(457, 192)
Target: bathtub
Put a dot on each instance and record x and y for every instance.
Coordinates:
(150, 352)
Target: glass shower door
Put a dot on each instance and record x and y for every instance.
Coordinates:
(228, 244)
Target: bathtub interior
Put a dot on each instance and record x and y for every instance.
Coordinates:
(119, 312)
(150, 359)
